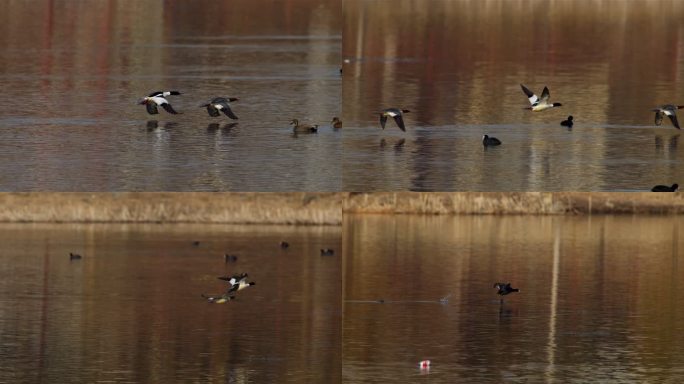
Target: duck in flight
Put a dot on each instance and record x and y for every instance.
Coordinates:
(665, 188)
(158, 98)
(220, 104)
(669, 111)
(539, 103)
(396, 114)
(237, 282)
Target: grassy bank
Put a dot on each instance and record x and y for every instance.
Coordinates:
(315, 208)
(193, 207)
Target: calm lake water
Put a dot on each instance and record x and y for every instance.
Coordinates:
(600, 299)
(72, 72)
(130, 310)
(458, 66)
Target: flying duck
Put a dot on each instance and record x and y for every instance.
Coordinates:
(665, 188)
(304, 128)
(537, 103)
(336, 122)
(395, 113)
(668, 110)
(567, 123)
(487, 141)
(504, 289)
(218, 299)
(158, 98)
(235, 279)
(220, 104)
(74, 256)
(240, 285)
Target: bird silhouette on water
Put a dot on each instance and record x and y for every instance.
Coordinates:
(665, 188)
(490, 141)
(567, 123)
(504, 289)
(74, 256)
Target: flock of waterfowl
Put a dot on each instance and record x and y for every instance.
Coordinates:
(538, 104)
(215, 107)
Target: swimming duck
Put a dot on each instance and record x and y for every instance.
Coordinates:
(487, 141)
(304, 128)
(668, 110)
(665, 188)
(395, 113)
(74, 256)
(504, 289)
(327, 252)
(567, 123)
(195, 243)
(336, 122)
(537, 103)
(220, 104)
(284, 244)
(158, 98)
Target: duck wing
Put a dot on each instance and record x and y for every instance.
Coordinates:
(168, 108)
(400, 122)
(383, 120)
(151, 108)
(673, 117)
(227, 111)
(545, 94)
(213, 112)
(530, 95)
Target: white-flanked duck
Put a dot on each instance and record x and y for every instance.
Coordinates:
(490, 141)
(237, 282)
(665, 188)
(669, 111)
(232, 280)
(396, 114)
(158, 98)
(220, 104)
(539, 103)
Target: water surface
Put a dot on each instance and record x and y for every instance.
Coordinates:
(458, 66)
(599, 299)
(130, 310)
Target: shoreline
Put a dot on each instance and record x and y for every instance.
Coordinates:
(325, 208)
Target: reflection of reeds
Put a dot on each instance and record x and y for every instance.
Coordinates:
(514, 203)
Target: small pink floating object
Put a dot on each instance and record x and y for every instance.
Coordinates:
(425, 364)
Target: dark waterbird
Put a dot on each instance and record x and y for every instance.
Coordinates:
(158, 98)
(195, 243)
(284, 244)
(229, 258)
(327, 252)
(665, 188)
(567, 123)
(396, 114)
(504, 289)
(336, 122)
(74, 256)
(218, 299)
(490, 141)
(220, 104)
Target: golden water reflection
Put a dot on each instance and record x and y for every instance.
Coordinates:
(598, 298)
